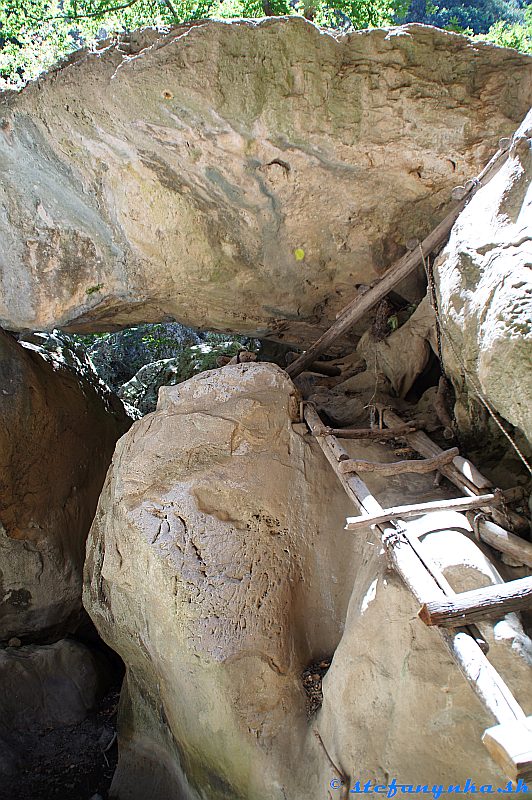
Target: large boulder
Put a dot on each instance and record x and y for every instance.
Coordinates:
(58, 428)
(218, 568)
(211, 571)
(242, 176)
(484, 286)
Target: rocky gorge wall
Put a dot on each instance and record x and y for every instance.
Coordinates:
(251, 177)
(484, 284)
(58, 429)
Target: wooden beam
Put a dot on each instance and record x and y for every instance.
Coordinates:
(321, 367)
(389, 468)
(498, 599)
(416, 510)
(396, 273)
(510, 745)
(356, 489)
(482, 676)
(501, 539)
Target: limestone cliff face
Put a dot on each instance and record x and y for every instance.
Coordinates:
(485, 290)
(218, 567)
(57, 434)
(245, 176)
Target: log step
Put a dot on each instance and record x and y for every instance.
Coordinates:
(397, 432)
(466, 607)
(404, 512)
(389, 468)
(510, 746)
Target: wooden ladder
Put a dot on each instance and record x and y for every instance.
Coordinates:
(509, 742)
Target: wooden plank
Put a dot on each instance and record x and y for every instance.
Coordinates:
(396, 273)
(416, 510)
(390, 468)
(498, 599)
(510, 746)
(468, 470)
(501, 539)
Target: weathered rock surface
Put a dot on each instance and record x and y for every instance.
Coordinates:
(218, 568)
(211, 572)
(244, 176)
(58, 428)
(484, 281)
(395, 704)
(43, 687)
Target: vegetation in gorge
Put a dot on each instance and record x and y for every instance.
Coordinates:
(34, 34)
(118, 356)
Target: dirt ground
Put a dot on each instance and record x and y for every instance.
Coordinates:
(70, 763)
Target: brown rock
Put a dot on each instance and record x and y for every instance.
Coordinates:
(202, 572)
(242, 176)
(219, 569)
(57, 434)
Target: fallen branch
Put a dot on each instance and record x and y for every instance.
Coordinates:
(501, 539)
(344, 792)
(370, 433)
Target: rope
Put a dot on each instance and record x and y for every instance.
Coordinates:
(441, 332)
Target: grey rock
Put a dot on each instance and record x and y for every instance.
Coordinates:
(485, 294)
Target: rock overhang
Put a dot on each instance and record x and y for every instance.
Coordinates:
(243, 176)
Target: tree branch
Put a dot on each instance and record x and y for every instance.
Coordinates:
(170, 6)
(101, 13)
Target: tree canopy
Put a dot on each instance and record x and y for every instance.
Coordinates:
(477, 16)
(34, 34)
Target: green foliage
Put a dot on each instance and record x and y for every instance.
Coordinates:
(476, 16)
(117, 357)
(34, 34)
(516, 35)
